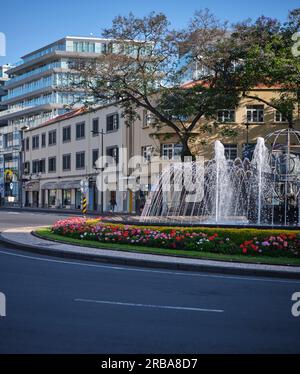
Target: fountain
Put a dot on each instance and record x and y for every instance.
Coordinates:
(263, 191)
(261, 180)
(223, 187)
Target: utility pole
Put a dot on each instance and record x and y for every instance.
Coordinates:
(21, 164)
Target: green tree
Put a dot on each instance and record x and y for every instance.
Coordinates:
(147, 64)
(266, 58)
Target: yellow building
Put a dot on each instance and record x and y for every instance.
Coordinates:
(237, 128)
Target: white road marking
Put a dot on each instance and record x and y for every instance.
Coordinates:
(149, 305)
(182, 273)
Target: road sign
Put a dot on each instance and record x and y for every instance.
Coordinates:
(84, 185)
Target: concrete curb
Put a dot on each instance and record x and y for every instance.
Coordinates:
(148, 260)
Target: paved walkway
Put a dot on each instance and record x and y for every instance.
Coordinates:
(21, 238)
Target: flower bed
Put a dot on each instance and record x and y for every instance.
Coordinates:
(226, 241)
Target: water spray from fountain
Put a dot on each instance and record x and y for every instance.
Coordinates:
(263, 191)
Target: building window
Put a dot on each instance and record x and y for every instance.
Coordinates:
(35, 142)
(66, 197)
(8, 159)
(87, 47)
(39, 166)
(147, 152)
(52, 137)
(67, 134)
(80, 130)
(226, 115)
(27, 144)
(52, 164)
(43, 166)
(80, 160)
(112, 122)
(95, 126)
(230, 151)
(255, 113)
(44, 139)
(113, 152)
(171, 151)
(35, 166)
(8, 140)
(145, 120)
(95, 156)
(66, 162)
(279, 117)
(26, 169)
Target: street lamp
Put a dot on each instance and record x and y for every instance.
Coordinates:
(21, 164)
(102, 133)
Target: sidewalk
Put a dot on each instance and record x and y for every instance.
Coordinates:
(21, 238)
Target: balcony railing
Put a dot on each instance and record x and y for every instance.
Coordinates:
(34, 72)
(14, 110)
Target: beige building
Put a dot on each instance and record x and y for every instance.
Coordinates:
(238, 129)
(252, 119)
(61, 153)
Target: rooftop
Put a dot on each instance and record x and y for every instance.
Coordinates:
(80, 38)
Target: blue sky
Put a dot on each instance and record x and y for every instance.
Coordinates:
(30, 24)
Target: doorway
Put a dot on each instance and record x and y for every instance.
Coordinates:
(27, 198)
(35, 199)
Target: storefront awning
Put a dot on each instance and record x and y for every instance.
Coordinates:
(66, 185)
(49, 186)
(32, 186)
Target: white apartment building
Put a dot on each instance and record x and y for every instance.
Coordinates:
(37, 91)
(60, 153)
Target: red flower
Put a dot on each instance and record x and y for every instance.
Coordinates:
(172, 233)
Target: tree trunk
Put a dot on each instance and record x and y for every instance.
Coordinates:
(186, 152)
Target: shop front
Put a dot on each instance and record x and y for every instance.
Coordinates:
(32, 195)
(49, 195)
(52, 198)
(66, 198)
(11, 187)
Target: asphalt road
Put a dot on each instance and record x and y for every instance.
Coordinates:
(11, 219)
(64, 306)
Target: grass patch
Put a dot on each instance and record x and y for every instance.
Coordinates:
(47, 234)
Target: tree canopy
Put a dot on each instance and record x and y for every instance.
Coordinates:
(268, 59)
(182, 76)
